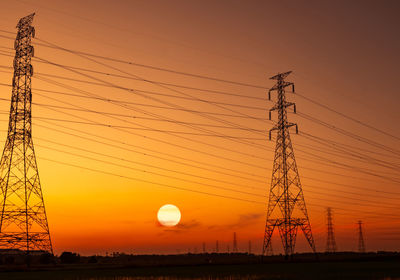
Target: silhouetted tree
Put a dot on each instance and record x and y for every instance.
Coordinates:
(69, 257)
(92, 259)
(46, 258)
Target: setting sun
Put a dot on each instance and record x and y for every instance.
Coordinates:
(169, 215)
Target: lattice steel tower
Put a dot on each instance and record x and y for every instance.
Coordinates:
(330, 242)
(234, 247)
(23, 222)
(361, 244)
(286, 207)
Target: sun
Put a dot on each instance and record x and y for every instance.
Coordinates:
(169, 215)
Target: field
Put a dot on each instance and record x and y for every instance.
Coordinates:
(368, 268)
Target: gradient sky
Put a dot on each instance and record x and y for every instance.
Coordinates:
(344, 54)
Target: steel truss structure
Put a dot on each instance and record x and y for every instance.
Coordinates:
(23, 221)
(286, 207)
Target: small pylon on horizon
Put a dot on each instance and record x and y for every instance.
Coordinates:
(330, 242)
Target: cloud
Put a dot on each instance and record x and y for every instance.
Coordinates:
(242, 221)
(246, 219)
(189, 225)
(181, 227)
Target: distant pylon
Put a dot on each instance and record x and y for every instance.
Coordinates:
(330, 242)
(216, 247)
(234, 248)
(23, 222)
(286, 207)
(361, 244)
(204, 247)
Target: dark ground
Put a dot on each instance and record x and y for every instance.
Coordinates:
(383, 266)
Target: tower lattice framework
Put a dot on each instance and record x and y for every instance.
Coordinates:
(23, 221)
(286, 207)
(361, 243)
(234, 247)
(330, 242)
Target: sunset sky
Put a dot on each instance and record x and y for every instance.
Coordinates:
(116, 137)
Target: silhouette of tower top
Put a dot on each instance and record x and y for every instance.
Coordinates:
(234, 248)
(361, 243)
(286, 207)
(330, 242)
(23, 221)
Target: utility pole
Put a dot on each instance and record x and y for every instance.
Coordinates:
(330, 242)
(286, 207)
(23, 221)
(361, 244)
(234, 248)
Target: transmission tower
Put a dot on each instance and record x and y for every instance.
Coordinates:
(216, 247)
(234, 248)
(361, 244)
(23, 222)
(330, 242)
(286, 207)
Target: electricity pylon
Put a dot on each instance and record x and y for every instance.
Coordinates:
(330, 242)
(234, 247)
(23, 222)
(286, 207)
(361, 244)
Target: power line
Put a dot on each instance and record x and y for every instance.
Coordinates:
(229, 174)
(363, 171)
(236, 171)
(74, 105)
(231, 104)
(143, 91)
(138, 104)
(169, 104)
(172, 158)
(184, 173)
(180, 136)
(205, 184)
(232, 82)
(147, 80)
(162, 86)
(98, 112)
(76, 116)
(147, 171)
(150, 182)
(347, 117)
(51, 45)
(349, 134)
(227, 81)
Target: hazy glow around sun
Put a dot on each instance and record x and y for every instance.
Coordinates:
(169, 215)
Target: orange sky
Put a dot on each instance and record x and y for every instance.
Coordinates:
(343, 54)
